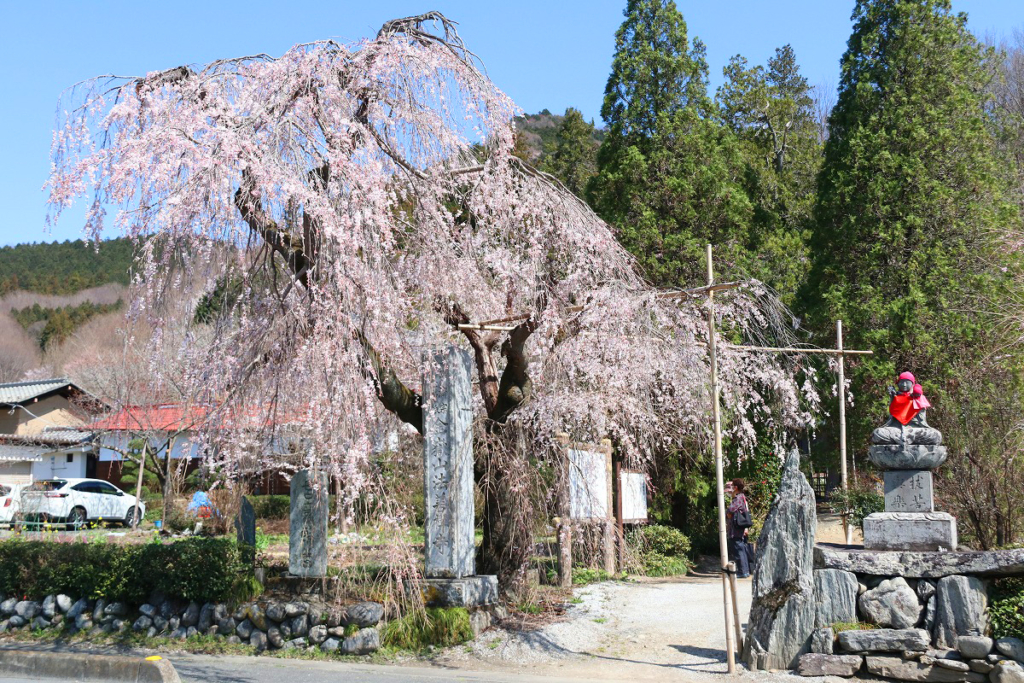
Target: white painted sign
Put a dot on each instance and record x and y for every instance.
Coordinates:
(633, 486)
(588, 485)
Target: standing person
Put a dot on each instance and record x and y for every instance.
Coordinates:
(738, 516)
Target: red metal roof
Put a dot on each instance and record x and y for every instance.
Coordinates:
(168, 417)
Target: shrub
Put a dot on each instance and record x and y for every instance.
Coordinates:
(442, 627)
(200, 569)
(660, 550)
(1006, 608)
(859, 501)
(271, 507)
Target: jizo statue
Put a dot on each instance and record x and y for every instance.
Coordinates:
(908, 422)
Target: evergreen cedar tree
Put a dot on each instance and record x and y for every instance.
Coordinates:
(374, 204)
(910, 207)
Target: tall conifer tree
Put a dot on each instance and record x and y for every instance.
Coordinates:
(668, 170)
(910, 203)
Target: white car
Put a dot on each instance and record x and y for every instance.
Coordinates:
(10, 502)
(78, 501)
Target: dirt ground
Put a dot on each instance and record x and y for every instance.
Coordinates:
(643, 630)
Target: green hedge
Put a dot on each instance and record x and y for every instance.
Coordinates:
(200, 569)
(1006, 608)
(271, 507)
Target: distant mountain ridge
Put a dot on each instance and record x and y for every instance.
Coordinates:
(65, 267)
(539, 133)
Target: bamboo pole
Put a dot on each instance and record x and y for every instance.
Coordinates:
(735, 607)
(847, 529)
(723, 541)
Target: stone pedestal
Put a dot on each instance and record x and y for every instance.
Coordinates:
(469, 591)
(909, 491)
(910, 531)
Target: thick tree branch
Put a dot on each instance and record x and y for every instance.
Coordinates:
(515, 386)
(483, 350)
(406, 404)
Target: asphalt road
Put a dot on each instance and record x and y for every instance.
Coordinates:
(207, 669)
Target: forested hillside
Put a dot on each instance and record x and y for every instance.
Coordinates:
(64, 267)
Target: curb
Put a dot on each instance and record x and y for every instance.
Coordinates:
(75, 666)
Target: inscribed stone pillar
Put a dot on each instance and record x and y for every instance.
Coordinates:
(307, 540)
(448, 463)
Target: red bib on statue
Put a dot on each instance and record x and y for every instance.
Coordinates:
(902, 408)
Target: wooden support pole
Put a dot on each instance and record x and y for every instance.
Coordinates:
(619, 535)
(609, 522)
(564, 552)
(847, 529)
(723, 541)
(735, 606)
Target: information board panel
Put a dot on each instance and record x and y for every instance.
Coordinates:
(588, 484)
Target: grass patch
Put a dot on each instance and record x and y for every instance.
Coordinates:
(841, 626)
(441, 627)
(583, 576)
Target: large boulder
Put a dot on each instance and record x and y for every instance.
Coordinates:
(892, 604)
(362, 642)
(836, 593)
(1007, 672)
(961, 609)
(912, 670)
(1011, 647)
(782, 615)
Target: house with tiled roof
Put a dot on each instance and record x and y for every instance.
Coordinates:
(43, 432)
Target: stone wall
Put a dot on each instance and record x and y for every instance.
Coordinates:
(926, 617)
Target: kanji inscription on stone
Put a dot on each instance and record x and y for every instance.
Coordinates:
(909, 491)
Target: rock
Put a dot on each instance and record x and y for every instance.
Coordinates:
(296, 642)
(783, 611)
(274, 638)
(925, 589)
(27, 609)
(49, 606)
(286, 630)
(227, 625)
(7, 606)
(330, 645)
(82, 621)
(258, 617)
(961, 609)
(98, 610)
(364, 614)
(275, 611)
(920, 564)
(335, 617)
(148, 610)
(107, 619)
(974, 647)
(206, 617)
(151, 632)
(893, 604)
(1007, 672)
(212, 631)
(241, 613)
(39, 623)
(80, 606)
(191, 615)
(258, 640)
(179, 634)
(234, 640)
(57, 620)
(167, 609)
(143, 623)
(1011, 647)
(980, 666)
(823, 641)
(191, 631)
(160, 623)
(362, 642)
(317, 634)
(885, 640)
(118, 625)
(244, 629)
(336, 632)
(64, 603)
(16, 621)
(117, 609)
(479, 621)
(294, 609)
(220, 611)
(929, 615)
(836, 593)
(894, 667)
(173, 623)
(300, 625)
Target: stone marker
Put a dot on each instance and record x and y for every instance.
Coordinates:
(783, 610)
(448, 464)
(909, 491)
(245, 524)
(307, 539)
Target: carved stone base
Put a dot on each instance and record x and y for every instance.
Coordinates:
(910, 531)
(469, 591)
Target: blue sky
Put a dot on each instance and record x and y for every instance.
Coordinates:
(551, 54)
